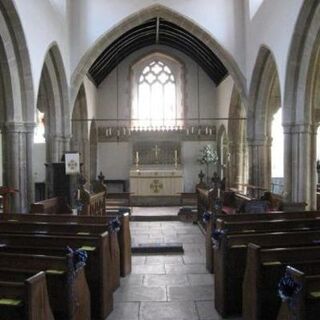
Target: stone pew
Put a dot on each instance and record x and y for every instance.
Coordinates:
(24, 297)
(230, 260)
(304, 304)
(97, 267)
(68, 291)
(212, 218)
(264, 268)
(51, 205)
(124, 236)
(70, 229)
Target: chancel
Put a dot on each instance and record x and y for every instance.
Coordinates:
(174, 144)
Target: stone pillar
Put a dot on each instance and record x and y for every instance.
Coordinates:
(56, 147)
(300, 163)
(18, 139)
(260, 162)
(235, 165)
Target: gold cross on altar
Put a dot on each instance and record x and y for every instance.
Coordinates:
(156, 186)
(156, 150)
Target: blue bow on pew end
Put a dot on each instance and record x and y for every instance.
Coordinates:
(288, 288)
(206, 217)
(114, 225)
(80, 257)
(216, 236)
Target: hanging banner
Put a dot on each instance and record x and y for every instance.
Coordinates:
(72, 163)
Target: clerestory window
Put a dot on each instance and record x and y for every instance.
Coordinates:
(157, 94)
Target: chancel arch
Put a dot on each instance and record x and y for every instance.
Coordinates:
(264, 103)
(302, 106)
(237, 173)
(141, 20)
(80, 132)
(16, 108)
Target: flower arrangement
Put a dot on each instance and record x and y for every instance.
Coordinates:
(208, 156)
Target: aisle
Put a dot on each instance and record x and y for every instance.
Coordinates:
(163, 287)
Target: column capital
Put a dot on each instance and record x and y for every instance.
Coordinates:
(294, 128)
(19, 127)
(260, 141)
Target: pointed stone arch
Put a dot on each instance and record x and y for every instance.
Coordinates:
(93, 151)
(136, 19)
(264, 101)
(53, 101)
(16, 107)
(237, 172)
(80, 131)
(302, 106)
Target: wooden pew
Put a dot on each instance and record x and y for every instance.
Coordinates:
(72, 229)
(24, 297)
(268, 225)
(124, 236)
(264, 268)
(52, 205)
(68, 291)
(211, 225)
(97, 267)
(230, 261)
(305, 302)
(94, 204)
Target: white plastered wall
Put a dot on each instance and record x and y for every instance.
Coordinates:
(272, 26)
(44, 22)
(223, 19)
(115, 159)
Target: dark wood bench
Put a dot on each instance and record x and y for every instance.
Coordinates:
(97, 267)
(212, 218)
(230, 261)
(52, 205)
(94, 204)
(24, 297)
(264, 268)
(124, 236)
(305, 303)
(68, 291)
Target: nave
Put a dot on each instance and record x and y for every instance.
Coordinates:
(167, 286)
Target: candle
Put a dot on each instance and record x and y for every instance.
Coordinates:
(137, 156)
(78, 194)
(175, 156)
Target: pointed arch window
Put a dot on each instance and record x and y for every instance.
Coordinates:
(157, 94)
(39, 130)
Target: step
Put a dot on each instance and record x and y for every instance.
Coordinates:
(175, 247)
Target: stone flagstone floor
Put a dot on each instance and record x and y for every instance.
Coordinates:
(163, 287)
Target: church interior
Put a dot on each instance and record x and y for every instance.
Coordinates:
(159, 159)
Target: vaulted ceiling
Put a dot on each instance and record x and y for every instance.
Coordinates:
(162, 32)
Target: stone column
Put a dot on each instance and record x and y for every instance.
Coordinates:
(300, 163)
(236, 165)
(18, 139)
(260, 162)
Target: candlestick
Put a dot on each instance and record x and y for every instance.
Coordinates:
(175, 158)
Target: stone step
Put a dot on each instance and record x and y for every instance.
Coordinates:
(160, 248)
(155, 218)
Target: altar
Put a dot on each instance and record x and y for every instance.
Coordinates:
(156, 181)
(156, 177)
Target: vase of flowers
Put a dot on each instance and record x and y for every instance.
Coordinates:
(207, 157)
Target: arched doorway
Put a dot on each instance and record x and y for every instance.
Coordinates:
(16, 108)
(301, 106)
(264, 103)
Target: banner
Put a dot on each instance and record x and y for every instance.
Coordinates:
(72, 163)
